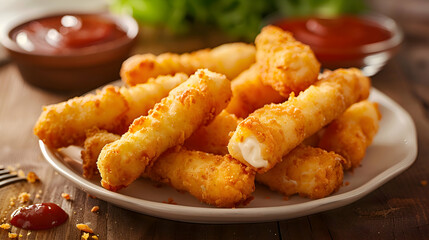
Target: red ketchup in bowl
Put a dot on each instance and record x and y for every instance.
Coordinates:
(39, 216)
(342, 41)
(65, 34)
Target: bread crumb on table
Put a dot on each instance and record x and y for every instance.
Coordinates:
(66, 196)
(24, 197)
(12, 201)
(84, 227)
(32, 177)
(95, 209)
(5, 226)
(12, 235)
(85, 236)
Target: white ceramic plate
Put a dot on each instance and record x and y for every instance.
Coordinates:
(393, 150)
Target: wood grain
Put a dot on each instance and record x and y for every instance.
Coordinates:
(397, 210)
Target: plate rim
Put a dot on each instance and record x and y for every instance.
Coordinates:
(245, 215)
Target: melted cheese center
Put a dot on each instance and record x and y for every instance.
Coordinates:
(251, 152)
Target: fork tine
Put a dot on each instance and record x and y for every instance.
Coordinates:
(11, 180)
(6, 176)
(3, 171)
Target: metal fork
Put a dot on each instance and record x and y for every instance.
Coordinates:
(6, 177)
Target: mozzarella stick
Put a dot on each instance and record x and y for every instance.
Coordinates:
(214, 137)
(142, 97)
(112, 109)
(190, 105)
(307, 171)
(217, 180)
(262, 139)
(229, 59)
(95, 140)
(249, 93)
(65, 123)
(351, 133)
(220, 181)
(285, 64)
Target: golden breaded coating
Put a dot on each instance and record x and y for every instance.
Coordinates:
(220, 181)
(142, 97)
(285, 64)
(190, 105)
(249, 93)
(310, 172)
(229, 59)
(214, 137)
(112, 109)
(140, 68)
(65, 123)
(95, 140)
(217, 180)
(262, 139)
(351, 133)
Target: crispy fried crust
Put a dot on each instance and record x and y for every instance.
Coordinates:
(112, 109)
(142, 97)
(65, 123)
(220, 181)
(217, 180)
(95, 140)
(279, 128)
(139, 68)
(284, 63)
(351, 133)
(214, 137)
(190, 105)
(249, 93)
(307, 171)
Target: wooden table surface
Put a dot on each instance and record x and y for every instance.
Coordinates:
(397, 210)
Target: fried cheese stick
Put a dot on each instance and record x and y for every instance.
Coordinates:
(65, 123)
(351, 133)
(142, 97)
(229, 59)
(190, 105)
(262, 139)
(285, 64)
(217, 180)
(249, 93)
(310, 172)
(112, 109)
(95, 140)
(214, 137)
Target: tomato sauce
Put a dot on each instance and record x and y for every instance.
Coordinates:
(39, 216)
(65, 34)
(336, 39)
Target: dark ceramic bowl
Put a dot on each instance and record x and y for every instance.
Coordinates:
(76, 71)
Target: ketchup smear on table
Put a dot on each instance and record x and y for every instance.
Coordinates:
(336, 38)
(65, 34)
(39, 216)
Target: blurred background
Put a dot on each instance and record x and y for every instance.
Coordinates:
(214, 21)
(219, 20)
(187, 25)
